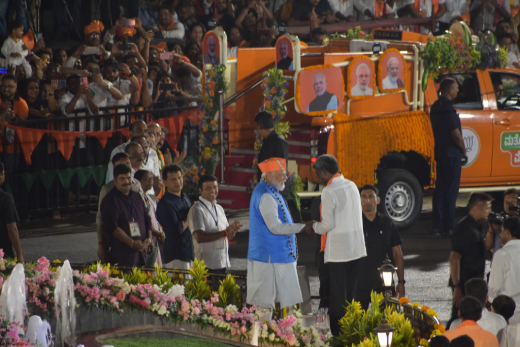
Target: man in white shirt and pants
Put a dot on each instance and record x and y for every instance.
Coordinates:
(210, 228)
(492, 322)
(505, 269)
(342, 225)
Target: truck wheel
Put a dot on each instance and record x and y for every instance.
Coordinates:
(401, 197)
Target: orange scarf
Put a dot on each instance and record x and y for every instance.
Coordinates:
(324, 236)
(379, 8)
(169, 27)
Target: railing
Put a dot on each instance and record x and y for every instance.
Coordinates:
(422, 323)
(52, 182)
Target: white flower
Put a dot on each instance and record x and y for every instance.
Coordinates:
(154, 307)
(231, 309)
(162, 310)
(175, 291)
(271, 337)
(264, 334)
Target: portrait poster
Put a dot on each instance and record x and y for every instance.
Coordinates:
(287, 53)
(391, 71)
(361, 79)
(211, 45)
(319, 90)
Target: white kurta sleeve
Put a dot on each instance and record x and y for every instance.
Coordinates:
(497, 277)
(328, 221)
(176, 33)
(269, 211)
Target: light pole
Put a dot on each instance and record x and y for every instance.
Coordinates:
(384, 331)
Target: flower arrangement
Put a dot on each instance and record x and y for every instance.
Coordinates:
(358, 156)
(357, 33)
(10, 336)
(191, 173)
(490, 56)
(274, 87)
(209, 116)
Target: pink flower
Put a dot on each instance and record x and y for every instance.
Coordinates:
(121, 296)
(214, 298)
(228, 317)
(243, 329)
(306, 339)
(291, 340)
(1, 253)
(42, 264)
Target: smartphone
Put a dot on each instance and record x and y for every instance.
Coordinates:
(127, 47)
(38, 37)
(3, 70)
(282, 29)
(62, 84)
(212, 23)
(83, 81)
(95, 70)
(128, 22)
(166, 86)
(166, 55)
(92, 51)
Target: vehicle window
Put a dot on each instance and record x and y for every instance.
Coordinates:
(469, 90)
(507, 90)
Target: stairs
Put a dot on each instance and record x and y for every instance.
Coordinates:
(235, 193)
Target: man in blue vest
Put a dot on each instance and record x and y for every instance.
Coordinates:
(272, 255)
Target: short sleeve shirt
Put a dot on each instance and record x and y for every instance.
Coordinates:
(303, 9)
(381, 235)
(468, 241)
(444, 120)
(8, 215)
(210, 219)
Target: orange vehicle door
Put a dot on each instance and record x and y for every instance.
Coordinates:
(505, 86)
(476, 124)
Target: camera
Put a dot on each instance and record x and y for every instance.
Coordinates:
(496, 218)
(515, 208)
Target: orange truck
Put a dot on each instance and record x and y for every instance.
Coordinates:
(385, 139)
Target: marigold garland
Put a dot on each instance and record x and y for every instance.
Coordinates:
(380, 70)
(297, 90)
(349, 78)
(362, 142)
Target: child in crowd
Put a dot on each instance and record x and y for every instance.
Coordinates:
(15, 50)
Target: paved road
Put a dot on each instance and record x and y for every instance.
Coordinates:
(426, 256)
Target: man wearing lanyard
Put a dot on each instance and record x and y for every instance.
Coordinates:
(210, 228)
(126, 222)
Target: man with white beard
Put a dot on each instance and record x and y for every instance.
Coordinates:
(392, 81)
(272, 254)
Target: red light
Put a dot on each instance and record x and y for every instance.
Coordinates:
(313, 160)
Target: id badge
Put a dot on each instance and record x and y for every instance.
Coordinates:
(134, 229)
(220, 243)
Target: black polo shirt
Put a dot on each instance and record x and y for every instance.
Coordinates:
(380, 236)
(468, 241)
(304, 8)
(444, 120)
(8, 215)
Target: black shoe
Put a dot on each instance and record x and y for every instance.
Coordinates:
(437, 232)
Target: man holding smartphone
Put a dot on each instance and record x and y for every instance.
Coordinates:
(111, 73)
(100, 89)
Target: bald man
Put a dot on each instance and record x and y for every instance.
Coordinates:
(392, 81)
(286, 63)
(211, 57)
(324, 100)
(363, 77)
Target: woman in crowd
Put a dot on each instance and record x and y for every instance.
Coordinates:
(197, 33)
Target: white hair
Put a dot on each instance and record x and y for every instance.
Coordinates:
(361, 66)
(320, 74)
(391, 60)
(264, 175)
(212, 39)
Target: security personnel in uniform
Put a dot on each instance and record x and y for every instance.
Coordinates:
(381, 239)
(450, 155)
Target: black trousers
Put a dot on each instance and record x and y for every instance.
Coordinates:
(216, 279)
(446, 192)
(323, 274)
(454, 309)
(343, 278)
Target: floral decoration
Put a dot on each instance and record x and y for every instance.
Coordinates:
(370, 63)
(297, 92)
(10, 336)
(362, 142)
(381, 69)
(192, 173)
(357, 33)
(209, 116)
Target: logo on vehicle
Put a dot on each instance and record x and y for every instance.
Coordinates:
(472, 143)
(510, 142)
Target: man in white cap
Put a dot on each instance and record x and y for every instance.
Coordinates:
(272, 255)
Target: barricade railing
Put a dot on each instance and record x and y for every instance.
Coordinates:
(51, 182)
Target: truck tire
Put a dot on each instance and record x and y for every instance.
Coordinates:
(401, 197)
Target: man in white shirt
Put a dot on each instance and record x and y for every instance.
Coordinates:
(343, 10)
(210, 228)
(342, 226)
(100, 89)
(137, 128)
(150, 163)
(505, 270)
(492, 322)
(167, 25)
(272, 253)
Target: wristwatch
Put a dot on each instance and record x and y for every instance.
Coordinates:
(401, 282)
(109, 85)
(458, 285)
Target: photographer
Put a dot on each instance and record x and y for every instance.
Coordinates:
(496, 221)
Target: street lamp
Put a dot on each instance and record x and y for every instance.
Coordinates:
(384, 331)
(387, 273)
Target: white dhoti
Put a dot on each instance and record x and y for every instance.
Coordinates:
(268, 283)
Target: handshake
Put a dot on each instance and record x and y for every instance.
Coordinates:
(308, 228)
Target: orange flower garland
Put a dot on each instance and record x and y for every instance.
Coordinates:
(349, 77)
(380, 71)
(362, 142)
(297, 92)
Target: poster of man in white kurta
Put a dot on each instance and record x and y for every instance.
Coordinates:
(361, 88)
(392, 80)
(273, 252)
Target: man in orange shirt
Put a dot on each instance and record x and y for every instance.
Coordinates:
(470, 312)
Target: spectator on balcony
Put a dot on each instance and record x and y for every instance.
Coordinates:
(320, 36)
(14, 49)
(100, 89)
(78, 96)
(312, 10)
(189, 75)
(60, 56)
(373, 9)
(93, 39)
(167, 25)
(197, 31)
(454, 9)
(343, 10)
(235, 40)
(485, 14)
(10, 100)
(470, 313)
(137, 65)
(103, 244)
(126, 222)
(149, 14)
(187, 16)
(9, 238)
(505, 270)
(172, 214)
(128, 87)
(137, 128)
(504, 305)
(492, 322)
(505, 40)
(38, 108)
